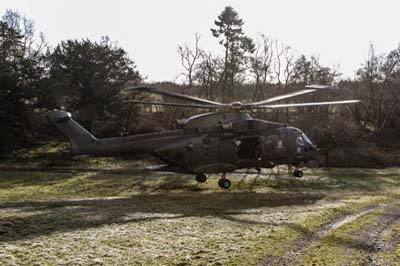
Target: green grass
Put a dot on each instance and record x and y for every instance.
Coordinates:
(143, 218)
(41, 185)
(342, 245)
(52, 155)
(394, 256)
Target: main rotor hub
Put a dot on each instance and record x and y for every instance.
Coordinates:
(236, 104)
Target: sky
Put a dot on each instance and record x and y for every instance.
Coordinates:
(339, 31)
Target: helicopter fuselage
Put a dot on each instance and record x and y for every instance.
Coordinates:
(208, 143)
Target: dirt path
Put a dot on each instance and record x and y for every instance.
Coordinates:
(372, 238)
(379, 238)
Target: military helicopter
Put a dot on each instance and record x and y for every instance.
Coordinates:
(215, 142)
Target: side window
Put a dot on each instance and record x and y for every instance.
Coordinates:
(274, 142)
(299, 140)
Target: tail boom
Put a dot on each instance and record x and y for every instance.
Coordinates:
(84, 143)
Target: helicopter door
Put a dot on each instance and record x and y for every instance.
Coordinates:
(273, 147)
(248, 148)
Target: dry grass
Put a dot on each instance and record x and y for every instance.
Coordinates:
(143, 218)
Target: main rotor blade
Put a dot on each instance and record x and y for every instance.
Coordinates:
(280, 97)
(174, 104)
(319, 87)
(176, 95)
(307, 104)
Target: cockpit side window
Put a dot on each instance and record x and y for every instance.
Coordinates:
(306, 139)
(300, 140)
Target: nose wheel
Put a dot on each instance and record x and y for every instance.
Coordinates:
(201, 178)
(298, 173)
(224, 183)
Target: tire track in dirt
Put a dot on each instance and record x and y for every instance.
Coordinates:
(301, 245)
(377, 238)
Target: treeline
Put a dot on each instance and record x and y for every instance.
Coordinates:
(83, 76)
(88, 78)
(365, 134)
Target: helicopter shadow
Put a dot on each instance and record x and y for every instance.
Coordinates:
(56, 216)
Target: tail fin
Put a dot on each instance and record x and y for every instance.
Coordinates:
(81, 140)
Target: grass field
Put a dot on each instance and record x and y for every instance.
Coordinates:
(330, 217)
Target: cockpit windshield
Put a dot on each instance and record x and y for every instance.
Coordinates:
(306, 139)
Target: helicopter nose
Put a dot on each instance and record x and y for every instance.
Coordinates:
(312, 152)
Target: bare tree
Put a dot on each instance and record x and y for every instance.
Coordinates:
(208, 73)
(379, 81)
(288, 69)
(261, 63)
(391, 69)
(282, 68)
(371, 79)
(281, 52)
(29, 45)
(189, 59)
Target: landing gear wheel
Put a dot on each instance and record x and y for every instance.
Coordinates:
(298, 173)
(201, 178)
(224, 183)
(258, 169)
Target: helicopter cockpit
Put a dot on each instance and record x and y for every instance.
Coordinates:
(305, 149)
